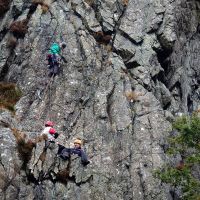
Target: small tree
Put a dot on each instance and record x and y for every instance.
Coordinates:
(187, 144)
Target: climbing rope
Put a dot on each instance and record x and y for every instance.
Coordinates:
(45, 94)
(49, 100)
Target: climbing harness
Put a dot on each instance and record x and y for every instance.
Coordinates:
(49, 100)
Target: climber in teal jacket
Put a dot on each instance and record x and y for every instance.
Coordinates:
(55, 49)
(54, 57)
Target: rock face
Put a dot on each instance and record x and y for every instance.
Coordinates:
(130, 67)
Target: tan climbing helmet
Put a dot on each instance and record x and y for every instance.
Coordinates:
(78, 141)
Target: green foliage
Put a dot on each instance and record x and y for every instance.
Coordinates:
(9, 95)
(187, 144)
(189, 129)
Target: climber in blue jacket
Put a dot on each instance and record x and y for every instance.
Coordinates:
(64, 152)
(54, 57)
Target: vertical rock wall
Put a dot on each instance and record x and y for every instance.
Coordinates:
(130, 67)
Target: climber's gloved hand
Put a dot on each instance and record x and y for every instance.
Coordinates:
(56, 135)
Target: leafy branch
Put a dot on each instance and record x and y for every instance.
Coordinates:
(187, 144)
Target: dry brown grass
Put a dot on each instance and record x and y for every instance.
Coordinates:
(25, 150)
(90, 2)
(9, 95)
(24, 147)
(132, 96)
(11, 42)
(125, 2)
(19, 28)
(63, 176)
(19, 136)
(102, 38)
(109, 48)
(45, 4)
(41, 138)
(45, 8)
(4, 6)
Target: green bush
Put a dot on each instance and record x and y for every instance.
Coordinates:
(187, 144)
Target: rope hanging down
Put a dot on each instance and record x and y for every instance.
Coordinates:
(45, 94)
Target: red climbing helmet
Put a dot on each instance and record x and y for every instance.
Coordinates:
(52, 131)
(49, 123)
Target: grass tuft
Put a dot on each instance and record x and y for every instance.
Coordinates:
(90, 2)
(45, 8)
(63, 176)
(45, 4)
(102, 38)
(11, 42)
(19, 28)
(9, 95)
(125, 2)
(24, 147)
(132, 96)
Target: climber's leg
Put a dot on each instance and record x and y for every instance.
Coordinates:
(56, 69)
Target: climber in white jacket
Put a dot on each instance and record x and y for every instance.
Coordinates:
(49, 130)
(51, 134)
